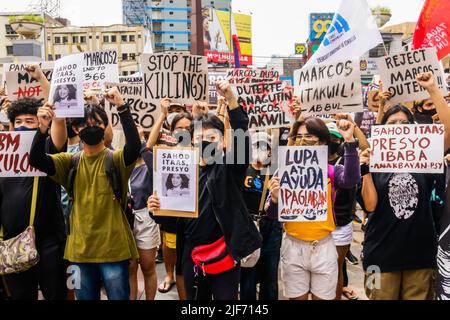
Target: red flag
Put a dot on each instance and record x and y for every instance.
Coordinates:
(433, 27)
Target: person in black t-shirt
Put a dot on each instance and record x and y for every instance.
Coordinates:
(401, 238)
(266, 270)
(15, 204)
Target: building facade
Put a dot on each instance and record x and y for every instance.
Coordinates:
(128, 40)
(169, 21)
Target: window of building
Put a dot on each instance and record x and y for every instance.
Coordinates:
(83, 39)
(50, 57)
(113, 39)
(9, 50)
(124, 56)
(9, 30)
(57, 40)
(57, 56)
(171, 37)
(125, 73)
(75, 39)
(171, 13)
(106, 39)
(172, 25)
(132, 56)
(124, 38)
(65, 40)
(132, 38)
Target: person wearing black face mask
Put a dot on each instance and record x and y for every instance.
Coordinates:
(222, 209)
(424, 111)
(100, 242)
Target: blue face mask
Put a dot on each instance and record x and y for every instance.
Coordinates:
(24, 129)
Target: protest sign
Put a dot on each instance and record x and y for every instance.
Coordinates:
(66, 92)
(407, 148)
(303, 173)
(398, 74)
(144, 113)
(15, 155)
(20, 84)
(129, 80)
(9, 67)
(236, 76)
(181, 77)
(329, 88)
(267, 104)
(213, 78)
(175, 174)
(99, 67)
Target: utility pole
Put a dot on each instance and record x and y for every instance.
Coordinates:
(197, 45)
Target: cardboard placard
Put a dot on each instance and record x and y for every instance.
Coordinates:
(214, 77)
(20, 85)
(177, 76)
(144, 113)
(303, 173)
(15, 155)
(415, 148)
(176, 174)
(66, 92)
(237, 76)
(329, 88)
(267, 104)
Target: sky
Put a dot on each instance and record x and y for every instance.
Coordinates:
(277, 24)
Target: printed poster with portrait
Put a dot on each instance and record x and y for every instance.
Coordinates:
(176, 173)
(66, 91)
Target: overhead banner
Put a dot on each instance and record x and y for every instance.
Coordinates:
(15, 155)
(180, 77)
(66, 92)
(407, 148)
(267, 104)
(144, 113)
(216, 31)
(100, 67)
(237, 76)
(329, 88)
(20, 84)
(398, 74)
(175, 174)
(303, 173)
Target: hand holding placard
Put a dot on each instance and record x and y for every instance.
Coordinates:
(35, 72)
(165, 104)
(224, 89)
(427, 81)
(274, 187)
(364, 157)
(153, 203)
(45, 117)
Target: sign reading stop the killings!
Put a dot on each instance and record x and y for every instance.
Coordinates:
(144, 113)
(407, 148)
(15, 155)
(398, 74)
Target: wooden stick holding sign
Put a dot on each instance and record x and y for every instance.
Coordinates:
(176, 174)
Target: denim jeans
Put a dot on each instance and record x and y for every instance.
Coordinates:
(114, 277)
(266, 270)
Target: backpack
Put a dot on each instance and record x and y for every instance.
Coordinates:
(113, 176)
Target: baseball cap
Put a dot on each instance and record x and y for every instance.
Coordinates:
(332, 127)
(261, 137)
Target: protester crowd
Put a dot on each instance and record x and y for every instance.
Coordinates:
(94, 215)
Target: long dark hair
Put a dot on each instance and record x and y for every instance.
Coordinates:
(396, 109)
(314, 126)
(184, 181)
(72, 92)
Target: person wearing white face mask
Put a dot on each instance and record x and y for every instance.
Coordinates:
(265, 272)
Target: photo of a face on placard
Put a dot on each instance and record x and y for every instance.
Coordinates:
(176, 185)
(65, 96)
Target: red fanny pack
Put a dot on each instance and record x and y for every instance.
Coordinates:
(213, 258)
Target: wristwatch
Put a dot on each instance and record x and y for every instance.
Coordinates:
(354, 144)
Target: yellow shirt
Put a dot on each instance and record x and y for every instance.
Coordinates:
(99, 230)
(316, 230)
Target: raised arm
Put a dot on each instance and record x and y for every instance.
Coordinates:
(428, 81)
(385, 96)
(156, 130)
(369, 192)
(132, 141)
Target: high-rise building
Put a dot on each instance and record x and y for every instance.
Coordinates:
(169, 21)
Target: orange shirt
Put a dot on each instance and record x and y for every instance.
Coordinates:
(315, 230)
